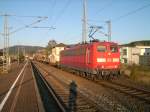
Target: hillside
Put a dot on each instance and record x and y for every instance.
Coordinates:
(138, 43)
(22, 48)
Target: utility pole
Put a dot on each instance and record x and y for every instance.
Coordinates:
(24, 52)
(109, 30)
(18, 55)
(84, 24)
(6, 34)
(6, 45)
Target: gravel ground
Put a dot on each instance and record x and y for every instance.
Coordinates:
(98, 94)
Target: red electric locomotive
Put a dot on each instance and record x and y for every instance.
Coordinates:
(94, 59)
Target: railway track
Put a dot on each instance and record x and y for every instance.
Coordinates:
(49, 98)
(140, 94)
(63, 90)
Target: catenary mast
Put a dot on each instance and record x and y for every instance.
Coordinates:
(84, 24)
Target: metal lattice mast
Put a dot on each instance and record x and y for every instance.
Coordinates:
(84, 24)
(18, 55)
(109, 30)
(8, 55)
(6, 45)
(6, 33)
(4, 58)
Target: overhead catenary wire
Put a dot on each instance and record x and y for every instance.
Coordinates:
(44, 27)
(19, 21)
(27, 26)
(52, 9)
(131, 13)
(23, 16)
(59, 15)
(30, 16)
(124, 15)
(105, 6)
(6, 34)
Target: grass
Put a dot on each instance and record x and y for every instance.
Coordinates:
(138, 73)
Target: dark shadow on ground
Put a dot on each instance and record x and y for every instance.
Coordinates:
(72, 97)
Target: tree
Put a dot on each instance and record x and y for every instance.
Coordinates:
(51, 44)
(21, 56)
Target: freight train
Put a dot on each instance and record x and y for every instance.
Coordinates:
(95, 59)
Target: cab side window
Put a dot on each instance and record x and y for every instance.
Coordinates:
(113, 49)
(101, 48)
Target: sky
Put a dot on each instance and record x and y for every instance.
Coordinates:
(130, 20)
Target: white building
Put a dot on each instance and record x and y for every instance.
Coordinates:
(131, 55)
(54, 57)
(145, 50)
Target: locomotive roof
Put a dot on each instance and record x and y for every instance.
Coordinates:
(90, 43)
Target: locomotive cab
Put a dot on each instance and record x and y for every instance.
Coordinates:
(107, 58)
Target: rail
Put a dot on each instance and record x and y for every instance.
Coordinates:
(48, 96)
(82, 103)
(138, 93)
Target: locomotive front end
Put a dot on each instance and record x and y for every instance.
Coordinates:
(107, 59)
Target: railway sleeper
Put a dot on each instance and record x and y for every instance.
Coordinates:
(133, 91)
(63, 94)
(65, 97)
(143, 95)
(139, 93)
(89, 110)
(83, 107)
(65, 100)
(62, 91)
(80, 99)
(81, 103)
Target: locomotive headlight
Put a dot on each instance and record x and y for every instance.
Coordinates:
(109, 53)
(102, 66)
(101, 59)
(115, 59)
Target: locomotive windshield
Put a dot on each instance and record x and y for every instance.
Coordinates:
(113, 48)
(101, 48)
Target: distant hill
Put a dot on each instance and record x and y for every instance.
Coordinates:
(28, 49)
(138, 43)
